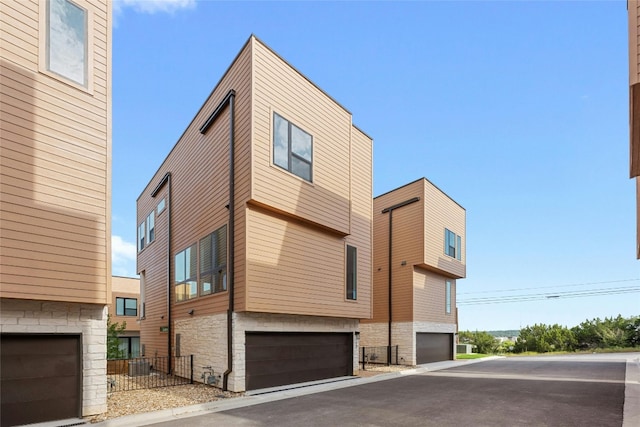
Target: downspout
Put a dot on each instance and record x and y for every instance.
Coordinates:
(166, 179)
(229, 99)
(390, 211)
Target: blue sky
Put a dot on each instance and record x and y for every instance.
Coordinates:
(517, 110)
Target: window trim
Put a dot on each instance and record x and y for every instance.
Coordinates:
(124, 306)
(290, 153)
(447, 297)
(151, 230)
(43, 45)
(142, 237)
(218, 272)
(351, 255)
(187, 281)
(457, 244)
(159, 209)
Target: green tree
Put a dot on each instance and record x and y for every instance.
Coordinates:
(632, 336)
(484, 342)
(113, 343)
(544, 338)
(610, 332)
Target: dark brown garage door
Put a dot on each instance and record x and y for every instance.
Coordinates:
(274, 359)
(433, 347)
(40, 379)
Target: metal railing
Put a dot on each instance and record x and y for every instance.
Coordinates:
(383, 355)
(148, 372)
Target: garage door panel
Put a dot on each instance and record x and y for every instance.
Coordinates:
(433, 347)
(274, 359)
(40, 378)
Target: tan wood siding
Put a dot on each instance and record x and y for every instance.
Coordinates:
(125, 287)
(296, 269)
(280, 88)
(429, 303)
(199, 167)
(361, 212)
(54, 165)
(442, 212)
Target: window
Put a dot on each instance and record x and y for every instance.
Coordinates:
(126, 306)
(452, 244)
(161, 205)
(292, 148)
(352, 272)
(151, 227)
(213, 262)
(142, 295)
(448, 296)
(66, 40)
(141, 229)
(185, 274)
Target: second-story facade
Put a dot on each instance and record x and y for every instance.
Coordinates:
(55, 212)
(254, 236)
(420, 253)
(124, 310)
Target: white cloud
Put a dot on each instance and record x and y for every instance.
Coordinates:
(123, 257)
(153, 6)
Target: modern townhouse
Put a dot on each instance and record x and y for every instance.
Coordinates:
(254, 236)
(55, 191)
(419, 254)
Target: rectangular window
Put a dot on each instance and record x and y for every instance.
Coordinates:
(126, 306)
(352, 272)
(142, 295)
(213, 262)
(185, 274)
(161, 205)
(448, 296)
(141, 231)
(292, 148)
(67, 40)
(151, 227)
(452, 244)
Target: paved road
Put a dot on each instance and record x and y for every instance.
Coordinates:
(534, 391)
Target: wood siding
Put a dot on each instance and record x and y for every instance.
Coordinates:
(55, 164)
(199, 167)
(429, 297)
(279, 88)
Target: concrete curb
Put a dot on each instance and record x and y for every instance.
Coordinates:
(260, 396)
(631, 414)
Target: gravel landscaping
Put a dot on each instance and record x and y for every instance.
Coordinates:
(131, 402)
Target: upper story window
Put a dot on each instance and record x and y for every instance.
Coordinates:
(213, 262)
(151, 227)
(67, 40)
(185, 274)
(126, 306)
(292, 148)
(452, 244)
(352, 272)
(141, 236)
(161, 206)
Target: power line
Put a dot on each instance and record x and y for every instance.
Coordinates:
(550, 295)
(549, 287)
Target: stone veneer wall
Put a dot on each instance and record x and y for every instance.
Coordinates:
(49, 317)
(265, 322)
(206, 338)
(403, 334)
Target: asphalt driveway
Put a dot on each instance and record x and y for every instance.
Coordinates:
(536, 391)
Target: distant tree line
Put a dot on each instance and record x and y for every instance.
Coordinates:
(612, 332)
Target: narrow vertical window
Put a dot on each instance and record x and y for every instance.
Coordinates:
(161, 206)
(213, 262)
(459, 248)
(352, 272)
(142, 295)
(452, 244)
(448, 296)
(67, 37)
(151, 227)
(186, 286)
(141, 232)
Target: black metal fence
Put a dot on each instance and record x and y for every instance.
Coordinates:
(148, 372)
(383, 355)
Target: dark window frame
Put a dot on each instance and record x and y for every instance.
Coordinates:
(291, 155)
(184, 283)
(217, 262)
(352, 273)
(124, 310)
(452, 244)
